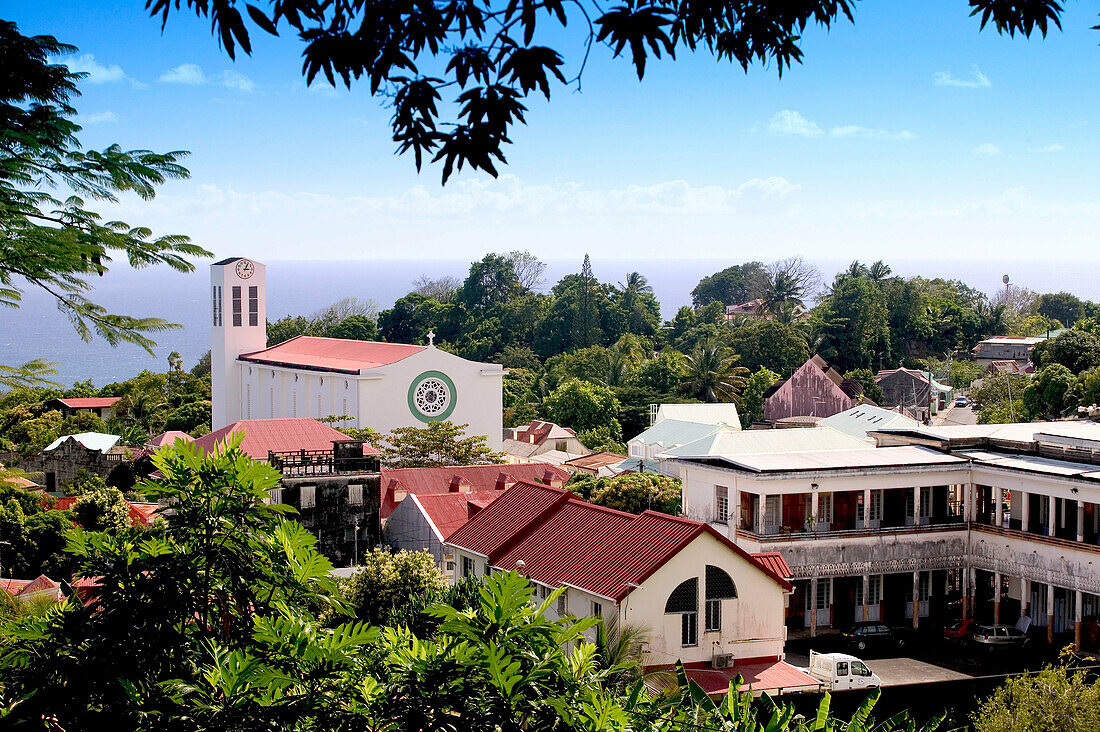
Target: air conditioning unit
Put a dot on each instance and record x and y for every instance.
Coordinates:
(722, 660)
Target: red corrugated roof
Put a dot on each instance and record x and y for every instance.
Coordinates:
(564, 540)
(168, 438)
(775, 562)
(333, 354)
(89, 402)
(424, 481)
(262, 436)
(450, 511)
(141, 514)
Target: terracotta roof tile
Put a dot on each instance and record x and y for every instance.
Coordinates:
(333, 354)
(89, 402)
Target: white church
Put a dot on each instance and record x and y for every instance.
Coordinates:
(378, 385)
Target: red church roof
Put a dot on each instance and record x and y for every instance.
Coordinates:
(332, 354)
(426, 481)
(262, 436)
(564, 540)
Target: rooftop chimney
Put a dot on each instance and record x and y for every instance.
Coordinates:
(505, 481)
(551, 479)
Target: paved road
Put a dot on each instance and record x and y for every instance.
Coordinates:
(897, 671)
(959, 415)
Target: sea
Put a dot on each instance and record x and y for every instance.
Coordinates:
(39, 330)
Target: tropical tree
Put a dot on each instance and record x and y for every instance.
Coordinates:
(436, 444)
(584, 405)
(630, 492)
(712, 374)
(751, 408)
(1058, 697)
(879, 271)
(60, 245)
(384, 581)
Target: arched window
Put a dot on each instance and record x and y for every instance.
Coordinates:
(685, 601)
(685, 598)
(719, 587)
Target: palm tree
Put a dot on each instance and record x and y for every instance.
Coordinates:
(879, 271)
(857, 269)
(711, 373)
(784, 289)
(636, 283)
(621, 652)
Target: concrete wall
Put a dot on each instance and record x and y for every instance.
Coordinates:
(332, 518)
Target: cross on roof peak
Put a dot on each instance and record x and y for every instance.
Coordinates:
(431, 337)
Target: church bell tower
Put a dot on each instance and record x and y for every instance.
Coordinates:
(239, 325)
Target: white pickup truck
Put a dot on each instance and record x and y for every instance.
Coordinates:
(841, 672)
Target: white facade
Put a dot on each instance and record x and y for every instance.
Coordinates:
(381, 397)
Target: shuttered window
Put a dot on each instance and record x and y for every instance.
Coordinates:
(253, 306)
(236, 306)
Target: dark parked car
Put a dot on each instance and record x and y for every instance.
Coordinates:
(874, 635)
(993, 637)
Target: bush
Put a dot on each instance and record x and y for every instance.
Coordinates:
(102, 509)
(189, 417)
(386, 581)
(412, 613)
(630, 492)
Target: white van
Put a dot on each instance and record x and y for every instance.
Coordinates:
(841, 672)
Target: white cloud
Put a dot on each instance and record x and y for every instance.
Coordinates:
(987, 148)
(860, 131)
(790, 122)
(98, 118)
(236, 80)
(97, 73)
(184, 74)
(976, 80)
(193, 75)
(1053, 147)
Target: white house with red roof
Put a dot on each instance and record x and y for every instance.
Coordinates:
(537, 437)
(703, 600)
(398, 483)
(102, 407)
(377, 385)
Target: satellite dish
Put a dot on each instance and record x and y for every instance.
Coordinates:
(1005, 279)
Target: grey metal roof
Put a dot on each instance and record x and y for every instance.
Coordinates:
(1033, 464)
(674, 432)
(749, 442)
(1014, 432)
(722, 413)
(866, 457)
(858, 420)
(91, 440)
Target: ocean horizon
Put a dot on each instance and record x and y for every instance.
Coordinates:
(296, 287)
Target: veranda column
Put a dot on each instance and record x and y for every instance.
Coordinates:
(1051, 524)
(813, 510)
(916, 506)
(813, 606)
(1050, 613)
(866, 508)
(1080, 521)
(998, 497)
(997, 595)
(760, 507)
(866, 594)
(1025, 596)
(971, 502)
(1025, 511)
(916, 599)
(972, 585)
(1078, 607)
(733, 512)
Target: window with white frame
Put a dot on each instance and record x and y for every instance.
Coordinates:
(713, 616)
(275, 495)
(355, 495)
(684, 600)
(721, 503)
(248, 401)
(876, 506)
(874, 589)
(271, 402)
(597, 610)
(689, 629)
(772, 510)
(924, 586)
(308, 496)
(467, 567)
(926, 502)
(825, 508)
(824, 593)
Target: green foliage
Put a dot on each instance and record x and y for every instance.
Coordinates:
(752, 397)
(1056, 698)
(853, 326)
(83, 482)
(1049, 393)
(385, 582)
(414, 612)
(770, 344)
(630, 492)
(712, 374)
(189, 417)
(602, 439)
(737, 284)
(1076, 349)
(102, 508)
(61, 245)
(436, 444)
(347, 318)
(1061, 306)
(583, 405)
(997, 389)
(866, 378)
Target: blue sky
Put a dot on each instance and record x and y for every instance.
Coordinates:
(909, 135)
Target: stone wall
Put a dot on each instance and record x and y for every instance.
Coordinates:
(332, 519)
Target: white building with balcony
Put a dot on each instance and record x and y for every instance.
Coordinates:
(1003, 519)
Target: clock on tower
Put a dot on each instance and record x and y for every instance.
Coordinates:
(245, 268)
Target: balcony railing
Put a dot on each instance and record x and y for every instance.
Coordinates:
(782, 536)
(345, 457)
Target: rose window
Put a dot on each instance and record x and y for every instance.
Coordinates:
(431, 397)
